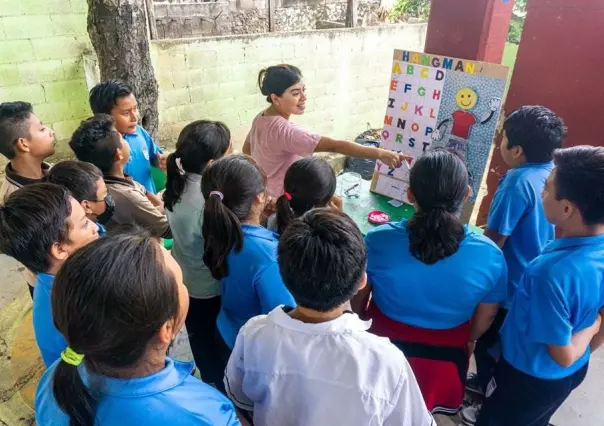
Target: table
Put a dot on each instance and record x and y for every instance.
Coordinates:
(359, 208)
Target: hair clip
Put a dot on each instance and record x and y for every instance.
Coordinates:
(181, 171)
(218, 194)
(288, 196)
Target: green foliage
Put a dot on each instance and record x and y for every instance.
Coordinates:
(412, 8)
(517, 22)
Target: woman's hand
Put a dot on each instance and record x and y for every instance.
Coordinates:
(392, 159)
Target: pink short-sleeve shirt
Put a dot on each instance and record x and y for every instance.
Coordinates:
(276, 143)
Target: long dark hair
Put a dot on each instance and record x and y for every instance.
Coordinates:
(238, 179)
(310, 182)
(439, 183)
(277, 79)
(109, 300)
(198, 143)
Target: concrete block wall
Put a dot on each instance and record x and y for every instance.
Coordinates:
(346, 72)
(41, 44)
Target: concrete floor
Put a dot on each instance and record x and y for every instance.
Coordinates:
(19, 368)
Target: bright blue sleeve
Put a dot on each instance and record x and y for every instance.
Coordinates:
(151, 146)
(499, 292)
(508, 206)
(271, 290)
(548, 319)
(372, 256)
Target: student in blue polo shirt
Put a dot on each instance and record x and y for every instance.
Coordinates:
(516, 222)
(557, 310)
(41, 225)
(238, 251)
(115, 370)
(116, 98)
(432, 274)
(86, 184)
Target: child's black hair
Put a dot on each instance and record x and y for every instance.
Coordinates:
(104, 96)
(537, 129)
(322, 259)
(96, 141)
(277, 79)
(240, 180)
(79, 177)
(129, 271)
(13, 125)
(198, 143)
(310, 182)
(439, 183)
(579, 178)
(33, 219)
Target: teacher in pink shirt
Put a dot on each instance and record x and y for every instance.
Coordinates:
(276, 143)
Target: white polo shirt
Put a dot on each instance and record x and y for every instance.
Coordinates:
(334, 373)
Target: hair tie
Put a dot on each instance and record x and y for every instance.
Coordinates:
(178, 162)
(288, 196)
(71, 357)
(218, 194)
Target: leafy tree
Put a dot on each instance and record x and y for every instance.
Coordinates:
(412, 8)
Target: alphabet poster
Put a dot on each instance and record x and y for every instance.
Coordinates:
(439, 101)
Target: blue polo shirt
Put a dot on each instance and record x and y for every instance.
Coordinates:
(254, 285)
(142, 155)
(101, 229)
(560, 294)
(440, 296)
(50, 341)
(517, 212)
(171, 396)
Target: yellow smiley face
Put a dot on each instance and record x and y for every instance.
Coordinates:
(466, 98)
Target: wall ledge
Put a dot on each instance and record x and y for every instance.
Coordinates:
(331, 33)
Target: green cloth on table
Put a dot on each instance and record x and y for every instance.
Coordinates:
(359, 208)
(159, 179)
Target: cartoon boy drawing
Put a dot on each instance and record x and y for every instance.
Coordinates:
(464, 120)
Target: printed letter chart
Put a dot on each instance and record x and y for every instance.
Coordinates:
(436, 101)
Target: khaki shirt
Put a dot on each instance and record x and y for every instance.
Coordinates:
(10, 183)
(132, 207)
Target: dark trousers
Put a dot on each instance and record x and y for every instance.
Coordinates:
(522, 400)
(485, 363)
(223, 353)
(201, 326)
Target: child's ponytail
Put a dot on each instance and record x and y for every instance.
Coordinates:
(230, 186)
(175, 181)
(308, 183)
(72, 396)
(198, 143)
(434, 234)
(222, 232)
(438, 184)
(285, 214)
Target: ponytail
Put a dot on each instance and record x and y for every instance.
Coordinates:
(230, 187)
(285, 214)
(175, 182)
(198, 143)
(221, 231)
(434, 235)
(72, 396)
(438, 185)
(308, 183)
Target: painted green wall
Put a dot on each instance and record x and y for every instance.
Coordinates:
(41, 45)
